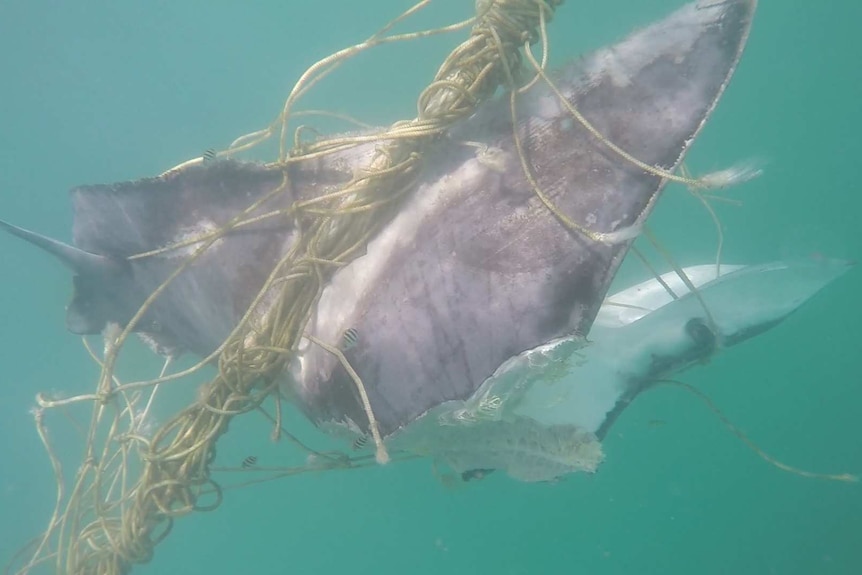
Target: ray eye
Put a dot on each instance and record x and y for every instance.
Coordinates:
(700, 332)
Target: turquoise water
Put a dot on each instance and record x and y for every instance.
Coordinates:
(104, 91)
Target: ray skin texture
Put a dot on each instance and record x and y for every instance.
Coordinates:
(472, 271)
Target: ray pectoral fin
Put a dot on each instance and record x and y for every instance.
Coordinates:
(77, 260)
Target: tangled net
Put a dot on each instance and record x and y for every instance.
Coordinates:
(109, 520)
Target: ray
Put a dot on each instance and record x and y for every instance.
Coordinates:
(473, 270)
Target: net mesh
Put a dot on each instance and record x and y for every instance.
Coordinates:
(132, 481)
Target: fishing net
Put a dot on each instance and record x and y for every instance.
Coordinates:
(133, 482)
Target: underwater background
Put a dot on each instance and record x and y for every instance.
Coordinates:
(104, 91)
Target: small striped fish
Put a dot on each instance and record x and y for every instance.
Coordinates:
(360, 442)
(349, 339)
(249, 461)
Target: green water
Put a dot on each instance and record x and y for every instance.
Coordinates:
(105, 91)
